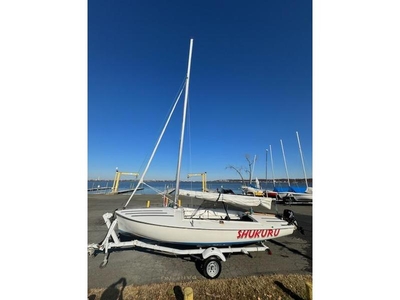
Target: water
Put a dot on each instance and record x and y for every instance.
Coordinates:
(154, 187)
(160, 186)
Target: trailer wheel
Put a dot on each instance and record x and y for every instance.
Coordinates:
(212, 267)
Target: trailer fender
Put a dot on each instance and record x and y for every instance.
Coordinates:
(213, 251)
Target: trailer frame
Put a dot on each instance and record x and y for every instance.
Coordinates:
(209, 258)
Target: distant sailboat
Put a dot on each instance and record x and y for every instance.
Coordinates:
(257, 183)
(294, 194)
(268, 193)
(251, 189)
(281, 191)
(305, 196)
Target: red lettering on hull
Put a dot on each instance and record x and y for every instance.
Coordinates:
(257, 233)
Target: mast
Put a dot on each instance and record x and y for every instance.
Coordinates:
(141, 180)
(266, 168)
(178, 169)
(284, 160)
(252, 169)
(272, 166)
(302, 161)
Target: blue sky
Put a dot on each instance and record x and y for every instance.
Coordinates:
(250, 86)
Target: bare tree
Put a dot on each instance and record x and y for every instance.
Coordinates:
(238, 171)
(250, 167)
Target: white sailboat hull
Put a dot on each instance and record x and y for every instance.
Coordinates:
(206, 228)
(301, 197)
(297, 197)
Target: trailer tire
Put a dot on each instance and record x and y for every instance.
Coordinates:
(212, 267)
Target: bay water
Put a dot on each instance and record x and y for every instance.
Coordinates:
(155, 187)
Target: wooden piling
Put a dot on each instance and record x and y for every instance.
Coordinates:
(188, 293)
(309, 290)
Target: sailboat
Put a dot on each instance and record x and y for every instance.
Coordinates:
(254, 189)
(251, 189)
(294, 194)
(268, 193)
(218, 224)
(282, 192)
(298, 196)
(279, 192)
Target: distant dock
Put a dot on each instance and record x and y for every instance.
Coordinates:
(99, 188)
(109, 188)
(128, 191)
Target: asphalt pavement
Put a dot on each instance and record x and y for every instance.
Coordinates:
(290, 254)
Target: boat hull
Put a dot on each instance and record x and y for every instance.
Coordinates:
(302, 197)
(271, 194)
(174, 226)
(298, 197)
(247, 190)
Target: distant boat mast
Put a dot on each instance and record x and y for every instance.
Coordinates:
(272, 166)
(252, 169)
(284, 160)
(266, 168)
(302, 161)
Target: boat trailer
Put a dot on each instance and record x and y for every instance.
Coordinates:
(209, 259)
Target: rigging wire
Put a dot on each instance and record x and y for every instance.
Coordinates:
(155, 148)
